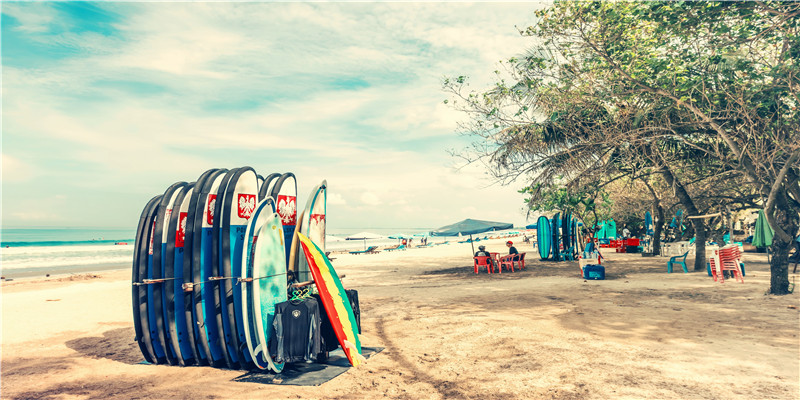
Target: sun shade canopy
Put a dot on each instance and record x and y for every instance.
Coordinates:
(470, 227)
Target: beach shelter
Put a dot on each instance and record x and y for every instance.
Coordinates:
(470, 227)
(364, 236)
(763, 234)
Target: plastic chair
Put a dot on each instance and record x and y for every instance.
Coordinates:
(483, 261)
(681, 260)
(730, 260)
(507, 262)
(568, 254)
(370, 250)
(520, 262)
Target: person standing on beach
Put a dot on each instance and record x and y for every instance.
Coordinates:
(511, 248)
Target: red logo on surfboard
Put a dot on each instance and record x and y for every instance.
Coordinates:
(317, 219)
(211, 203)
(180, 235)
(287, 209)
(247, 204)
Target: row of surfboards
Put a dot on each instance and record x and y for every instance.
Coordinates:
(558, 237)
(210, 262)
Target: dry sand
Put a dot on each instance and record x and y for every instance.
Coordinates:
(449, 334)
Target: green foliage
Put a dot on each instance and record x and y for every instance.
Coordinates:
(704, 93)
(589, 205)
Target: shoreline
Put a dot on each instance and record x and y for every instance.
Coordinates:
(59, 271)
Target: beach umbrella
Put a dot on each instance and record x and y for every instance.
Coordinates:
(364, 236)
(763, 235)
(531, 226)
(470, 227)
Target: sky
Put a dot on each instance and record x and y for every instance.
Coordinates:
(104, 105)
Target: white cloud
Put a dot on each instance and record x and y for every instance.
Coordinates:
(335, 199)
(36, 217)
(348, 92)
(370, 199)
(32, 17)
(15, 170)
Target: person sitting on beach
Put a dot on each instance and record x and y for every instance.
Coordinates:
(482, 252)
(511, 248)
(626, 233)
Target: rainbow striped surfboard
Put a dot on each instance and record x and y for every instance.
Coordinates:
(334, 299)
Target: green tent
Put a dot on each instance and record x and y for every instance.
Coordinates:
(611, 229)
(763, 235)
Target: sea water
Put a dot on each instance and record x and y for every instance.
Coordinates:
(40, 251)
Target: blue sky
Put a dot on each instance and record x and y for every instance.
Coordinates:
(107, 104)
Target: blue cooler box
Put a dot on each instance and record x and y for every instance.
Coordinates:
(593, 271)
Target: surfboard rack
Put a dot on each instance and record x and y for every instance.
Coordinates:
(150, 281)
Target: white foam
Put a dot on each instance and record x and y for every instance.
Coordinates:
(60, 256)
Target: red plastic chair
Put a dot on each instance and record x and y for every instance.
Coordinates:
(730, 259)
(520, 261)
(483, 261)
(507, 262)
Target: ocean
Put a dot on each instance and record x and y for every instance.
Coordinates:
(42, 251)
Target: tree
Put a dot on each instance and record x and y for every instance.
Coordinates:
(691, 92)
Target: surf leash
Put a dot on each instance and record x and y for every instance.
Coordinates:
(240, 280)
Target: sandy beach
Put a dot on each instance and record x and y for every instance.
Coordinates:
(543, 333)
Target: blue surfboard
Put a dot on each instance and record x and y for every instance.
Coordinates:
(241, 199)
(141, 321)
(181, 336)
(554, 233)
(543, 237)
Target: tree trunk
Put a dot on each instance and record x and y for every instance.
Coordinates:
(779, 264)
(658, 218)
(658, 225)
(697, 223)
(779, 267)
(700, 244)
